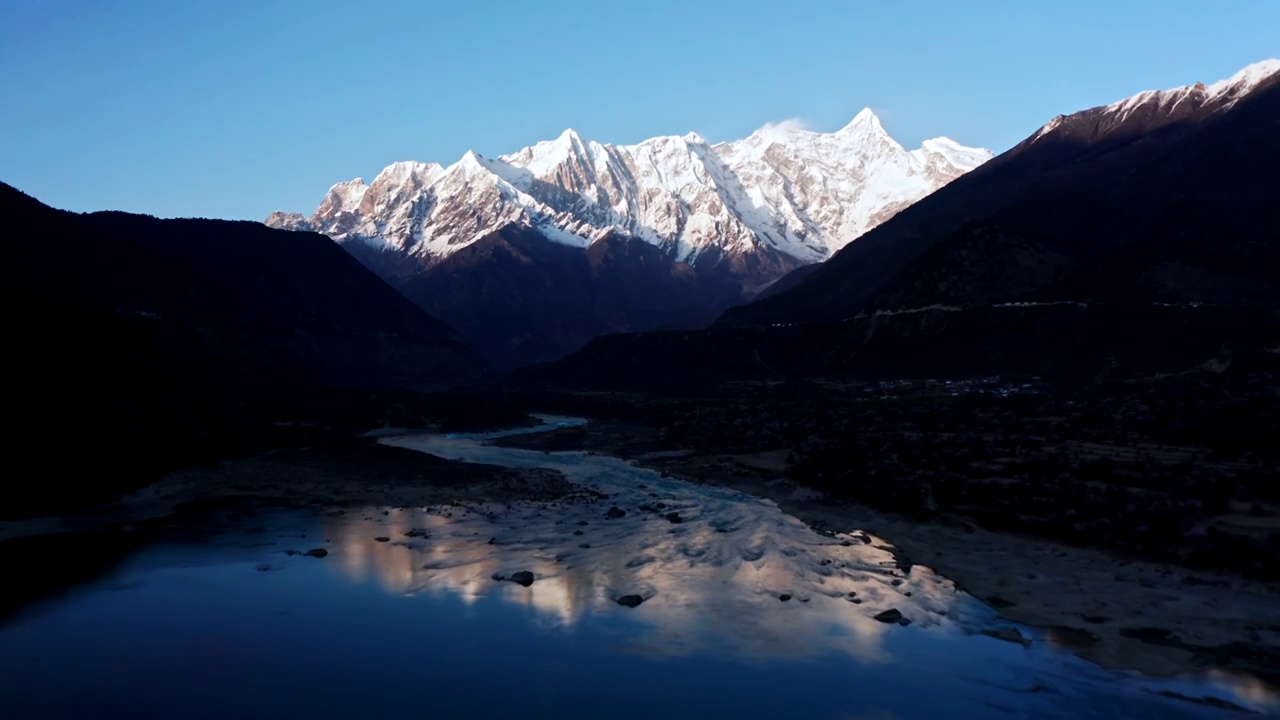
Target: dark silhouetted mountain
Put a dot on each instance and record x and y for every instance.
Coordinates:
(1138, 235)
(521, 298)
(149, 342)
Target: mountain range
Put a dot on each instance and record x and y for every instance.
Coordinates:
(1136, 236)
(668, 232)
(1132, 238)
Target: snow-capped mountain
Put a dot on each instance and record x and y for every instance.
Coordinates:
(1150, 109)
(822, 190)
(1165, 199)
(756, 207)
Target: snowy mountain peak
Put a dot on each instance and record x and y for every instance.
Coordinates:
(398, 173)
(1246, 79)
(866, 131)
(348, 187)
(546, 159)
(288, 221)
(866, 120)
(470, 164)
(1153, 108)
(1221, 94)
(965, 158)
(782, 197)
(343, 197)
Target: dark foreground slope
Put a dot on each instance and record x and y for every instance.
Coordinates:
(136, 344)
(1131, 239)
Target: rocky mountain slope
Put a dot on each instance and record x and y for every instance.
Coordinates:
(520, 299)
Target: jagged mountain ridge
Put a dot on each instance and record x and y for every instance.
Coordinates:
(754, 208)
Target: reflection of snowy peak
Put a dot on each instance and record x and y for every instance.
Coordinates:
(784, 192)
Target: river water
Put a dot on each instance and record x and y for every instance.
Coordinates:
(744, 611)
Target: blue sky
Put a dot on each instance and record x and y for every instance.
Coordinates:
(234, 108)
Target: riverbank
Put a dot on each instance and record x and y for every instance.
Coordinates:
(1156, 618)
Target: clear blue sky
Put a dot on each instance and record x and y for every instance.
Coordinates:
(234, 108)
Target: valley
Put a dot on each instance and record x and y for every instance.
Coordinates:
(781, 419)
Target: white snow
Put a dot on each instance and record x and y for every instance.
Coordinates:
(801, 193)
(346, 196)
(1247, 79)
(1225, 91)
(564, 237)
(1218, 97)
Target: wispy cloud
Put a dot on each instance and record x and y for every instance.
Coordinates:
(788, 124)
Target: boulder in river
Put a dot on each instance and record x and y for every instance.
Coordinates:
(615, 512)
(630, 600)
(1008, 635)
(674, 517)
(784, 597)
(524, 577)
(316, 552)
(382, 538)
(892, 615)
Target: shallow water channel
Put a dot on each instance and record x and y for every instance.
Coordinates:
(744, 611)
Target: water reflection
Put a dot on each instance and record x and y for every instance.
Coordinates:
(287, 635)
(714, 577)
(712, 580)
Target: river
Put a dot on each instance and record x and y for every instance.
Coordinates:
(743, 610)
